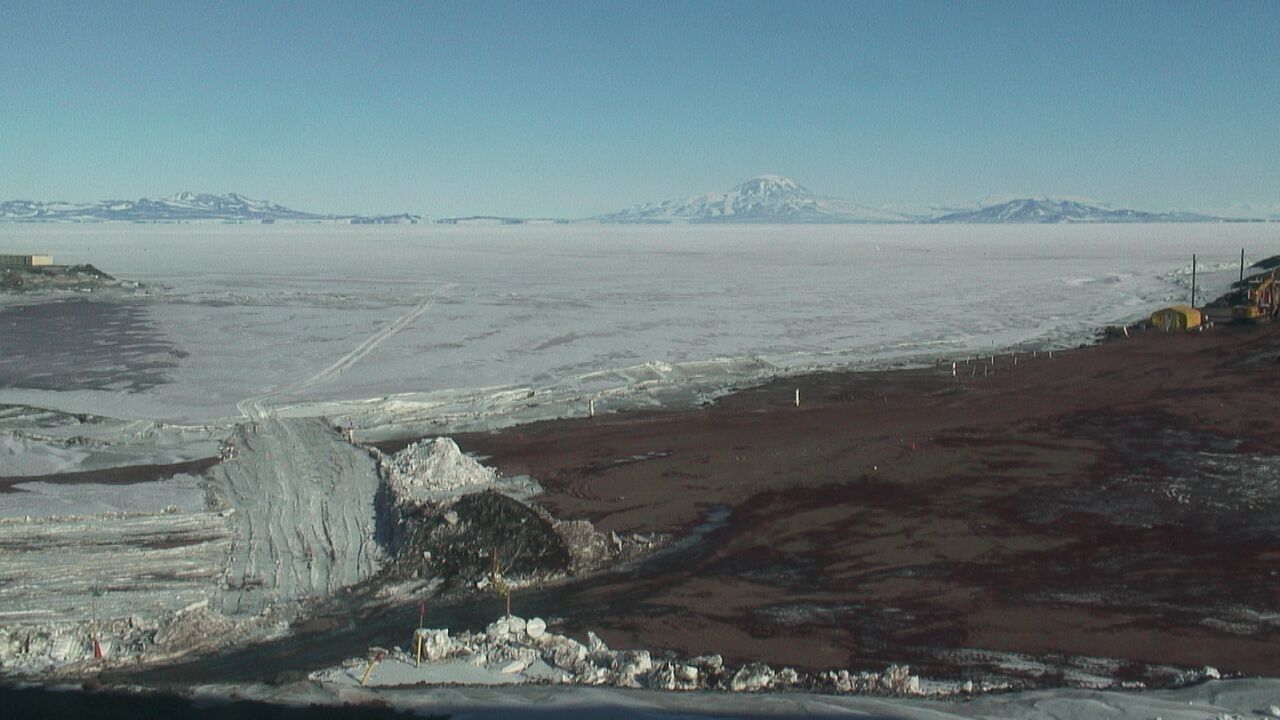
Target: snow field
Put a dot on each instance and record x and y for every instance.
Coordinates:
(308, 314)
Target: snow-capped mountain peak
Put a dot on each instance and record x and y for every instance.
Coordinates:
(765, 198)
(771, 185)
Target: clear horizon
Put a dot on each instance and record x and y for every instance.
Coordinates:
(575, 109)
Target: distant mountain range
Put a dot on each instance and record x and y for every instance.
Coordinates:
(776, 199)
(183, 207)
(1048, 210)
(763, 199)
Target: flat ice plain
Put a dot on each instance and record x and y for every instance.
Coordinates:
(463, 321)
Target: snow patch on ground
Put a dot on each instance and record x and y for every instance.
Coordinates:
(20, 456)
(181, 493)
(38, 441)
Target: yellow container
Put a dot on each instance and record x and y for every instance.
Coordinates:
(1178, 317)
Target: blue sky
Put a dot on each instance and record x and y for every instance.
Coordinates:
(570, 109)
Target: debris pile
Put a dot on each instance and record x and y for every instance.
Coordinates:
(449, 517)
(514, 650)
(591, 550)
(69, 647)
(461, 541)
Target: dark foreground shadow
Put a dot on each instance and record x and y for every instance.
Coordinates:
(24, 703)
(40, 703)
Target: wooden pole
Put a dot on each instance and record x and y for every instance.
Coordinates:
(1241, 264)
(369, 670)
(797, 397)
(1193, 279)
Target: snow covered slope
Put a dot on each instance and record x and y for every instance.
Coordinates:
(763, 199)
(1050, 210)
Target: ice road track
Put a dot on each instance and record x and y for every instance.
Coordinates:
(304, 514)
(373, 341)
(255, 407)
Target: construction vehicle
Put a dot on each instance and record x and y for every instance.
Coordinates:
(1260, 300)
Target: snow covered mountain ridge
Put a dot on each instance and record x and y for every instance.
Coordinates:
(1050, 210)
(777, 199)
(762, 199)
(183, 207)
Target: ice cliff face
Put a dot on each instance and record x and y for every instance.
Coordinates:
(767, 198)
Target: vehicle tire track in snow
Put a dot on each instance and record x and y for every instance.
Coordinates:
(376, 339)
(304, 504)
(254, 407)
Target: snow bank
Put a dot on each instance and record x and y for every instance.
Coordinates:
(436, 465)
(513, 650)
(38, 441)
(21, 456)
(435, 470)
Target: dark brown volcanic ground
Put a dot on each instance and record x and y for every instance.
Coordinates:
(1121, 500)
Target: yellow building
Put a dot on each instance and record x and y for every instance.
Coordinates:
(25, 260)
(1178, 317)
